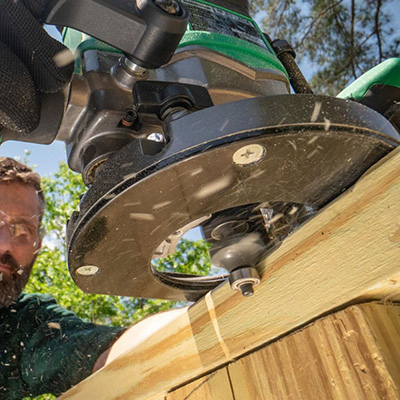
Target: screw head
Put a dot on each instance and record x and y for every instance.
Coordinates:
(248, 155)
(87, 270)
(156, 137)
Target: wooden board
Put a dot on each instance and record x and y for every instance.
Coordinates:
(352, 354)
(349, 251)
(215, 386)
(337, 357)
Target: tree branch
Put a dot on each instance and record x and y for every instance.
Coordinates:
(320, 16)
(353, 12)
(377, 30)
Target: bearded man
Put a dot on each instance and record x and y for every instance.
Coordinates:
(44, 348)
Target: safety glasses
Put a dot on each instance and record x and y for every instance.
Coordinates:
(22, 231)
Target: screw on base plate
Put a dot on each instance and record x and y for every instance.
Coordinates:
(249, 155)
(87, 270)
(244, 279)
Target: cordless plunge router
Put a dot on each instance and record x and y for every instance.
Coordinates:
(181, 115)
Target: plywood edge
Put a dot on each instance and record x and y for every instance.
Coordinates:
(350, 248)
(384, 321)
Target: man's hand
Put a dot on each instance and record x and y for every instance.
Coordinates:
(27, 64)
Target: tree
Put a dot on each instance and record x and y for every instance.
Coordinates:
(338, 39)
(50, 273)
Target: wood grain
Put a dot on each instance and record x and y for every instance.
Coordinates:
(349, 249)
(215, 386)
(338, 357)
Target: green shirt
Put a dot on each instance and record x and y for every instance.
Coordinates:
(46, 348)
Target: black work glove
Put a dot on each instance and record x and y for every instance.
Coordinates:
(27, 64)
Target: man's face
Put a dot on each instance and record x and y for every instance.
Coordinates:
(19, 238)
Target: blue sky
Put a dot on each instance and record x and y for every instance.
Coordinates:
(45, 158)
